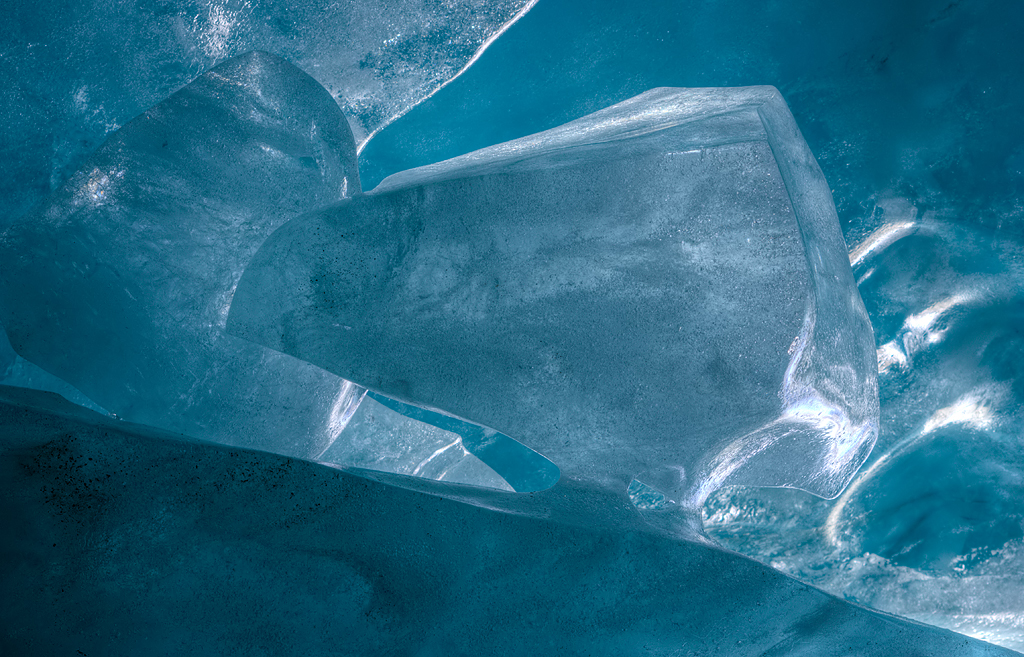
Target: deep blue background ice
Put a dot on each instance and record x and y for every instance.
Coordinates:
(123, 540)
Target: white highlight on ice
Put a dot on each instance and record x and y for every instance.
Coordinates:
(348, 399)
(425, 462)
(881, 239)
(973, 410)
(919, 331)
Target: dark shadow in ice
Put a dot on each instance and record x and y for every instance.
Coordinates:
(123, 540)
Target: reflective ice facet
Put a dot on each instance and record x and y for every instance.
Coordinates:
(932, 527)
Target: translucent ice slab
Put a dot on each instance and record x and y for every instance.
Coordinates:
(913, 110)
(120, 283)
(132, 542)
(657, 291)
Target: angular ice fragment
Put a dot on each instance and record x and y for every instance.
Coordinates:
(121, 282)
(385, 433)
(658, 291)
(378, 438)
(134, 543)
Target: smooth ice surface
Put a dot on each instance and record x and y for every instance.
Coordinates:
(122, 540)
(77, 71)
(657, 291)
(387, 435)
(120, 283)
(378, 438)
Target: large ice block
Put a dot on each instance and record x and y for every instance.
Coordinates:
(120, 283)
(120, 540)
(658, 291)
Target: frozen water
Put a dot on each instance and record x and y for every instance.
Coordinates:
(125, 541)
(75, 72)
(387, 435)
(120, 283)
(895, 99)
(933, 527)
(16, 371)
(379, 438)
(151, 236)
(913, 111)
(657, 291)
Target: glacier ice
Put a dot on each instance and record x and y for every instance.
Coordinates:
(387, 435)
(911, 108)
(123, 540)
(18, 372)
(913, 112)
(390, 436)
(916, 100)
(120, 282)
(658, 291)
(931, 528)
(72, 74)
(378, 438)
